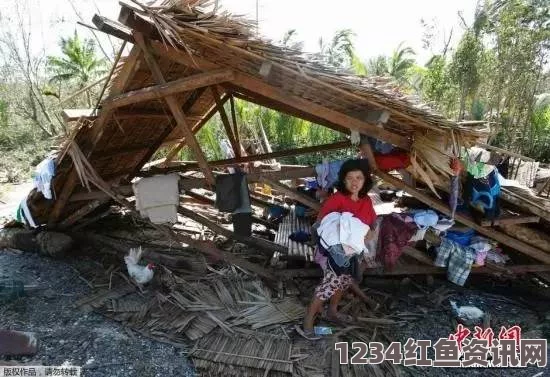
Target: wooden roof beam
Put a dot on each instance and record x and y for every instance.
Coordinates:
(169, 89)
(259, 157)
(174, 107)
(279, 95)
(265, 102)
(256, 86)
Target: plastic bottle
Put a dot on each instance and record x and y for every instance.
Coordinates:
(322, 330)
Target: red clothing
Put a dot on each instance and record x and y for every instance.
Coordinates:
(392, 161)
(338, 202)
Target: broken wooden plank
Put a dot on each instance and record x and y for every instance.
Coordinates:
(527, 235)
(265, 246)
(169, 88)
(510, 220)
(123, 78)
(83, 211)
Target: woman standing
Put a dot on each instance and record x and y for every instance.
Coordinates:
(354, 183)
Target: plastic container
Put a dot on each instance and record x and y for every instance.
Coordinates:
(11, 290)
(322, 330)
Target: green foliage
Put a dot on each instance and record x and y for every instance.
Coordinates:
(401, 60)
(78, 64)
(463, 69)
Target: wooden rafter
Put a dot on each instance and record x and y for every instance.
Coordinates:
(225, 121)
(277, 95)
(175, 108)
(191, 100)
(169, 88)
(174, 151)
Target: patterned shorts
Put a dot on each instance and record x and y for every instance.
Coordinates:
(331, 283)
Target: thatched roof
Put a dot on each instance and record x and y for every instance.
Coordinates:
(202, 53)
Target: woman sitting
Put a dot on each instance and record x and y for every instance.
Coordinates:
(354, 183)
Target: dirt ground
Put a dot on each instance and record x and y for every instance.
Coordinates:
(65, 334)
(106, 348)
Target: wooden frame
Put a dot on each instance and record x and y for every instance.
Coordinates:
(167, 89)
(175, 108)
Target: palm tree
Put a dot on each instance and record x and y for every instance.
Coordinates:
(289, 40)
(78, 65)
(340, 52)
(399, 63)
(378, 66)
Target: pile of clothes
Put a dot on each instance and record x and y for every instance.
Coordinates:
(399, 229)
(460, 251)
(341, 243)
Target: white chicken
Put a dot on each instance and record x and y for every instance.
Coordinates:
(467, 314)
(140, 274)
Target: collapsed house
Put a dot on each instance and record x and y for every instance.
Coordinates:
(186, 62)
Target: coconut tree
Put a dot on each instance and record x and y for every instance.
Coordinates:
(78, 65)
(400, 62)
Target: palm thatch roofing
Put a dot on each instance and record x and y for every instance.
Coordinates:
(193, 38)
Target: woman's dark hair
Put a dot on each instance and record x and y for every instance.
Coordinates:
(354, 165)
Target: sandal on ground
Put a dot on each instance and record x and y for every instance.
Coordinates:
(307, 334)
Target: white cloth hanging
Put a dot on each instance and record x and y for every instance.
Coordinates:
(157, 198)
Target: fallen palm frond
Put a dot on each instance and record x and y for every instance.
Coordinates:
(262, 314)
(254, 350)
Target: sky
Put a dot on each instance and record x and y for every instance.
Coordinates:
(380, 26)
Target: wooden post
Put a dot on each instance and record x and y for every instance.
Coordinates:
(367, 150)
(225, 121)
(175, 109)
(235, 126)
